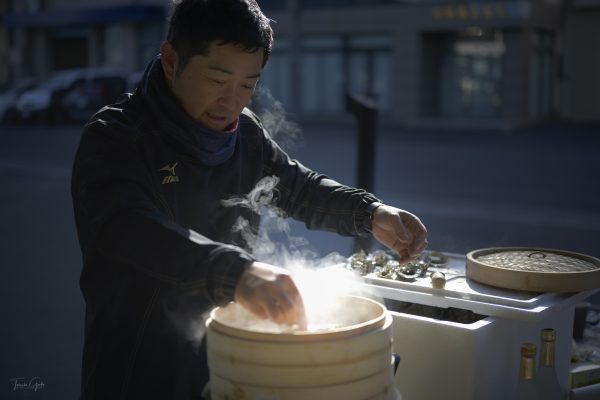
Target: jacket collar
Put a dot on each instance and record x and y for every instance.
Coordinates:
(178, 128)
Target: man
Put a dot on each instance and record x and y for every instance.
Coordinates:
(148, 180)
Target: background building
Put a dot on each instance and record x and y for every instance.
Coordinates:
(43, 36)
(429, 63)
(443, 64)
(578, 78)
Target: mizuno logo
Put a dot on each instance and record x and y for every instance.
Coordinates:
(172, 178)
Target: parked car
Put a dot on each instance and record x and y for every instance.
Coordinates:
(45, 102)
(87, 97)
(8, 99)
(40, 102)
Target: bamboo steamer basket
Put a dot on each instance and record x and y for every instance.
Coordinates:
(347, 362)
(533, 269)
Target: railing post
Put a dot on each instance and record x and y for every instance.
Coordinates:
(365, 112)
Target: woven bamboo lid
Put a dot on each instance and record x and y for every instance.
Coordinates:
(534, 269)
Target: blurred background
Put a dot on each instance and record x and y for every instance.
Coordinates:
(485, 122)
(427, 63)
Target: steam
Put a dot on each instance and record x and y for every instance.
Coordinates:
(275, 119)
(262, 195)
(321, 280)
(182, 311)
(293, 254)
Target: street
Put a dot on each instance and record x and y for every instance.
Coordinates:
(537, 187)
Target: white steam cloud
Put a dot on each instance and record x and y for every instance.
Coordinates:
(321, 280)
(275, 119)
(296, 252)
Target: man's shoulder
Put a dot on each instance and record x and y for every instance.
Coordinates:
(124, 120)
(248, 119)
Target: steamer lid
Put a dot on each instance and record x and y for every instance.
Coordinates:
(533, 269)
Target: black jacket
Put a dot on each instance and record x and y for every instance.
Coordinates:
(158, 246)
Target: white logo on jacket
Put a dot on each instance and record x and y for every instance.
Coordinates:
(170, 168)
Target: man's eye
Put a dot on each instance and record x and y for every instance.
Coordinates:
(248, 87)
(218, 82)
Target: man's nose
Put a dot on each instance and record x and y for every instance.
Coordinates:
(228, 97)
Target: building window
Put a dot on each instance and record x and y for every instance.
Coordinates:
(340, 3)
(369, 69)
(541, 74)
(151, 36)
(471, 74)
(330, 67)
(115, 43)
(321, 76)
(69, 47)
(275, 81)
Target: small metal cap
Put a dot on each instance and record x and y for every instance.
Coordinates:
(528, 350)
(438, 280)
(548, 335)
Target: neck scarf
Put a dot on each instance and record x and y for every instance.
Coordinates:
(178, 128)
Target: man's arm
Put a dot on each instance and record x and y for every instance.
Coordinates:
(325, 204)
(119, 214)
(317, 200)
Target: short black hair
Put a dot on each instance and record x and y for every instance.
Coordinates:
(194, 24)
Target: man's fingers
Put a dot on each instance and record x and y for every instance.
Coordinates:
(399, 229)
(284, 303)
(269, 292)
(404, 257)
(419, 249)
(259, 310)
(398, 246)
(296, 313)
(287, 312)
(294, 317)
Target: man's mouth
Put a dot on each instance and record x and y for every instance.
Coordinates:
(216, 117)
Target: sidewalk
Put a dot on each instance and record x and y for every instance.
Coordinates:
(536, 187)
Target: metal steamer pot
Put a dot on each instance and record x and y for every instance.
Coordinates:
(352, 359)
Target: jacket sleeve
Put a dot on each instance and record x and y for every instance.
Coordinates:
(317, 200)
(119, 215)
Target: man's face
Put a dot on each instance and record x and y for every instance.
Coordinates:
(214, 88)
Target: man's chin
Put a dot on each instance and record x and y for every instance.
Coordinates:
(213, 125)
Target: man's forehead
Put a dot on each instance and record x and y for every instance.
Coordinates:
(219, 47)
(230, 58)
(219, 68)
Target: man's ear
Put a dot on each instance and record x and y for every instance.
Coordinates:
(169, 60)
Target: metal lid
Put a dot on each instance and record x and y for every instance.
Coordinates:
(548, 335)
(528, 350)
(534, 269)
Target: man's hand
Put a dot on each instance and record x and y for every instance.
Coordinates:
(399, 230)
(270, 293)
